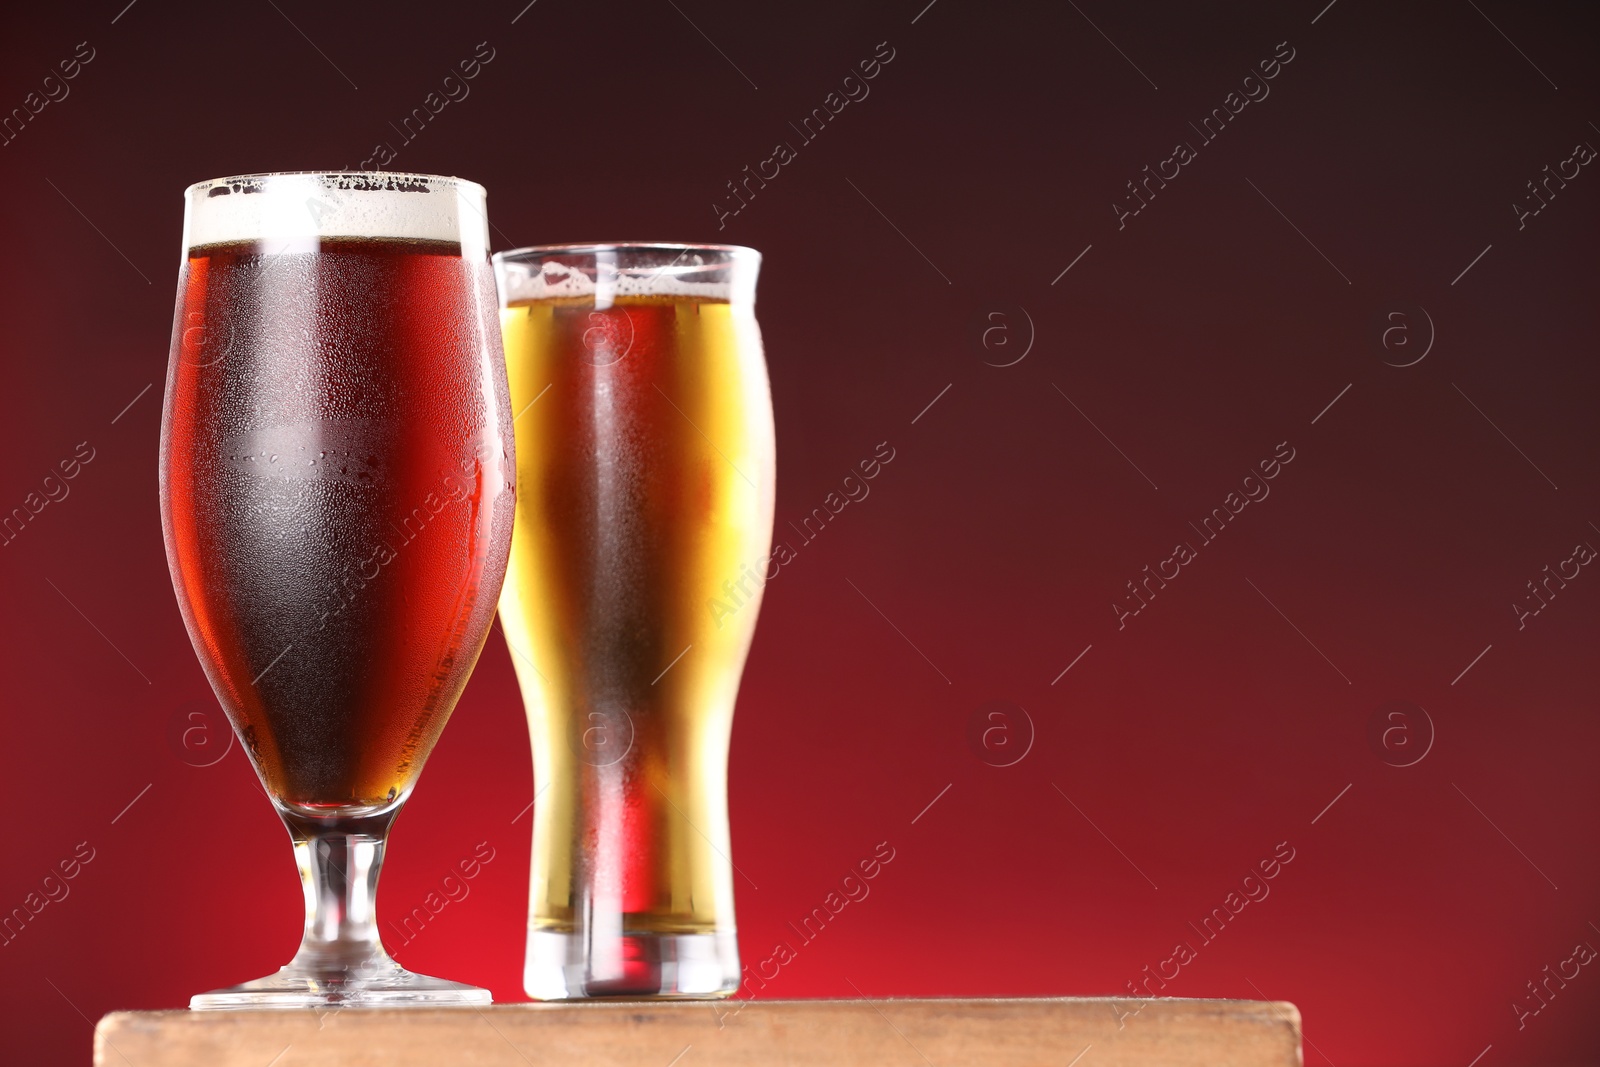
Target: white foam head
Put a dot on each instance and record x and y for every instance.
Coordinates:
(281, 210)
(607, 273)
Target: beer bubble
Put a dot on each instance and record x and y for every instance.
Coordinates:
(343, 205)
(1000, 733)
(199, 733)
(693, 273)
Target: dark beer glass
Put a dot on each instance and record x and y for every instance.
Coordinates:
(643, 539)
(337, 497)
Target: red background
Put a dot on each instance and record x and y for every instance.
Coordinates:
(1197, 338)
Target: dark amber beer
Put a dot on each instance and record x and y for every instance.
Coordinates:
(338, 489)
(338, 500)
(645, 495)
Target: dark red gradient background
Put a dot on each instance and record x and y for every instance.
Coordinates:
(1177, 752)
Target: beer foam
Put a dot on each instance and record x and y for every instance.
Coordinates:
(607, 273)
(285, 209)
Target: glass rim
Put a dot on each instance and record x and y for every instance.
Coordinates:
(735, 253)
(447, 179)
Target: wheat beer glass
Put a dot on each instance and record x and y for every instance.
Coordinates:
(337, 495)
(644, 526)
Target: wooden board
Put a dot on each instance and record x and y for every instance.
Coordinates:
(1083, 1032)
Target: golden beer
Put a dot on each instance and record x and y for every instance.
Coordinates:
(644, 522)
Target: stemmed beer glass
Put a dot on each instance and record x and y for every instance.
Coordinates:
(337, 497)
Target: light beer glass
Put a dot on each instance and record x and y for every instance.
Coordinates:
(337, 487)
(644, 525)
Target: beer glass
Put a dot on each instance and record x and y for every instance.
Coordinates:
(644, 525)
(337, 497)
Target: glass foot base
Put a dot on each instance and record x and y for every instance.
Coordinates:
(383, 984)
(567, 966)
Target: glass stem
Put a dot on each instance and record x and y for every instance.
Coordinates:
(340, 860)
